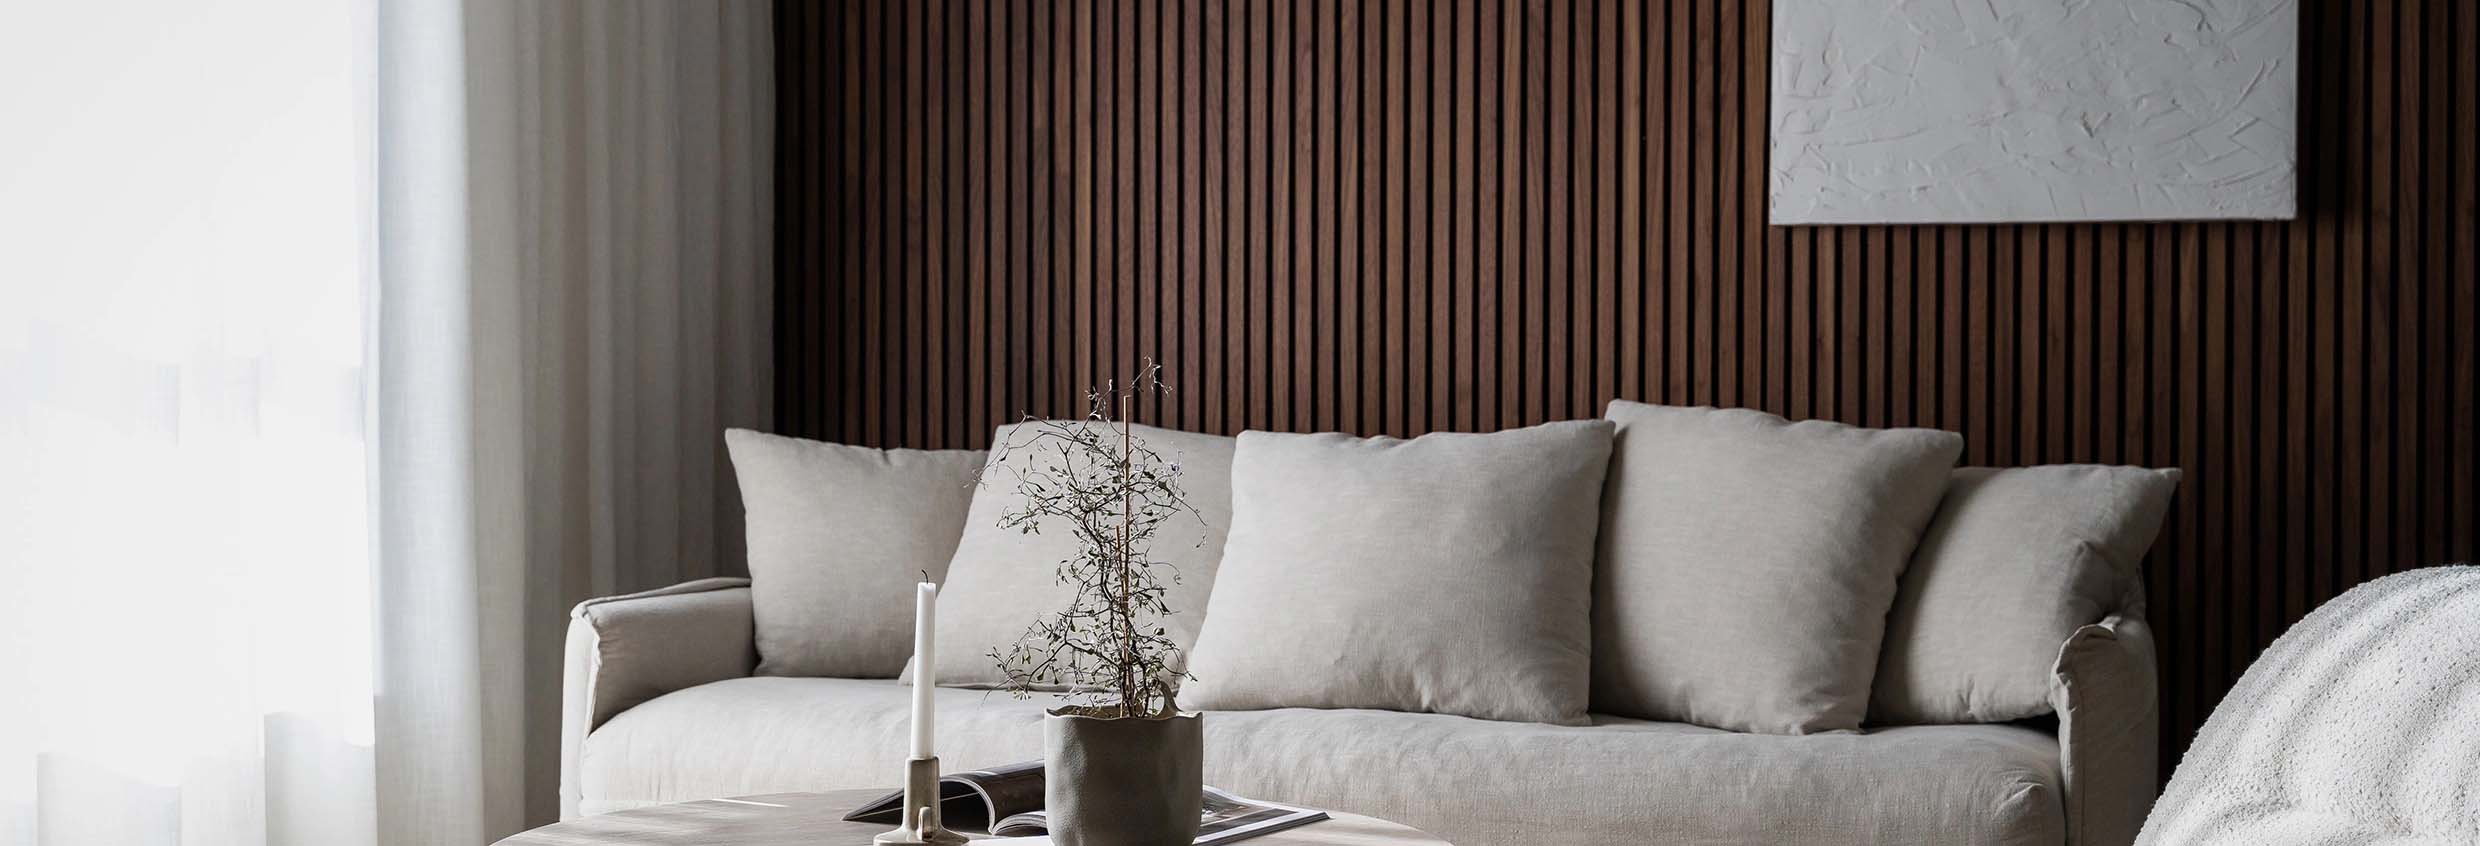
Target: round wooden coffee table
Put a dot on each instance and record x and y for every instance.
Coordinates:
(817, 819)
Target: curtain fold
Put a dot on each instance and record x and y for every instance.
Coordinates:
(343, 347)
(557, 385)
(643, 210)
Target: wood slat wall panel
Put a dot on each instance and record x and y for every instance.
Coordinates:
(1393, 217)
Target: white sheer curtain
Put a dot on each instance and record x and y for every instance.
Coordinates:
(343, 345)
(185, 622)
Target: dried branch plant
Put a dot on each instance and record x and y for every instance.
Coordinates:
(1108, 648)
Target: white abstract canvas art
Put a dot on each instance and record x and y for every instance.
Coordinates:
(1973, 111)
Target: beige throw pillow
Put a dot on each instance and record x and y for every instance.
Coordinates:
(838, 535)
(2014, 563)
(1748, 562)
(1002, 580)
(1450, 573)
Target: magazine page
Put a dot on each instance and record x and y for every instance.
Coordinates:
(1229, 818)
(1004, 791)
(1223, 818)
(969, 800)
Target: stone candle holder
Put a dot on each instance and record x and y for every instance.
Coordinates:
(921, 825)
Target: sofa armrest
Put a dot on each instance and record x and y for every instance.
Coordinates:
(624, 650)
(2109, 724)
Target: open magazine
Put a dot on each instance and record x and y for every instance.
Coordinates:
(1007, 802)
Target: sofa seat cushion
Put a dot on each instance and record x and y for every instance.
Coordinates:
(1472, 782)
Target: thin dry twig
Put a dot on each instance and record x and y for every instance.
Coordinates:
(1108, 648)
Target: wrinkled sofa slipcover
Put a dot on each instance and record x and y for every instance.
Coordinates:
(660, 707)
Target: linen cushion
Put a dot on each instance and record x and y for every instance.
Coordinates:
(2014, 562)
(1748, 562)
(1002, 580)
(1617, 782)
(1450, 573)
(838, 535)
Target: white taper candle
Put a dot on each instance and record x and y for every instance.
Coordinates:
(925, 666)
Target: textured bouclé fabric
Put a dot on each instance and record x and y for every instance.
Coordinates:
(2359, 725)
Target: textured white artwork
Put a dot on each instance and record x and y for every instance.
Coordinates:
(1961, 111)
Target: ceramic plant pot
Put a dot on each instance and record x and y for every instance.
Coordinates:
(1123, 782)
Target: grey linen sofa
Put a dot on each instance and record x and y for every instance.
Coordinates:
(661, 706)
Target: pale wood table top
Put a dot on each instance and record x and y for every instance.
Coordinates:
(817, 819)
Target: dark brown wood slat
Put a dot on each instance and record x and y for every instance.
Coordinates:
(1013, 203)
(1895, 342)
(1626, 184)
(1997, 444)
(1081, 84)
(1698, 120)
(1675, 206)
(1532, 157)
(1602, 151)
(2245, 425)
(977, 162)
(1439, 187)
(2213, 423)
(1123, 248)
(926, 180)
(2459, 214)
(1761, 372)
(1723, 159)
(1322, 178)
(1040, 332)
(1154, 291)
(1877, 336)
(1188, 357)
(1483, 239)
(1958, 343)
(1555, 113)
(1506, 212)
(796, 385)
(2352, 269)
(2031, 248)
(2448, 353)
(1462, 105)
(1418, 279)
(1274, 248)
(1370, 210)
(1851, 335)
(1393, 217)
(1214, 218)
(1389, 240)
(882, 165)
(1258, 281)
(2450, 236)
(2380, 512)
